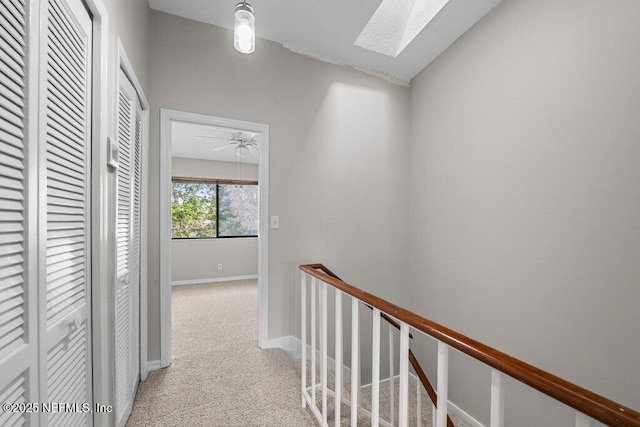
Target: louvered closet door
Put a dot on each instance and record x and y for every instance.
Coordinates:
(18, 302)
(65, 151)
(135, 253)
(127, 248)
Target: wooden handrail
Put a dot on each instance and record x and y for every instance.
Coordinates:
(581, 399)
(426, 384)
(383, 315)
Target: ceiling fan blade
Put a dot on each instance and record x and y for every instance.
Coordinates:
(210, 137)
(222, 148)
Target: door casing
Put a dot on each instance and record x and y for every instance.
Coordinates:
(166, 117)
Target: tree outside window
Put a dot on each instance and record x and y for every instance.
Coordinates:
(205, 210)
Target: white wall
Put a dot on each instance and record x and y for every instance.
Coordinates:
(198, 259)
(525, 229)
(339, 143)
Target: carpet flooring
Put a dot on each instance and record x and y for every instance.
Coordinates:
(219, 376)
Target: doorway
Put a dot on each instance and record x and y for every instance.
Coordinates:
(222, 140)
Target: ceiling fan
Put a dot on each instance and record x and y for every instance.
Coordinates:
(241, 141)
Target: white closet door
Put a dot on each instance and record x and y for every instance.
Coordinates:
(127, 244)
(135, 252)
(18, 287)
(65, 152)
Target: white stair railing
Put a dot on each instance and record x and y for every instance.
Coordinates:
(317, 282)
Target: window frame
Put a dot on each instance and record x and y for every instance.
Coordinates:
(217, 183)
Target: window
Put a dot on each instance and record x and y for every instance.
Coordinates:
(207, 209)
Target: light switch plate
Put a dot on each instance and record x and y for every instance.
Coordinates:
(275, 221)
(112, 153)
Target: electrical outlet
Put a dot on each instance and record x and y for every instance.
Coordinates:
(219, 266)
(275, 221)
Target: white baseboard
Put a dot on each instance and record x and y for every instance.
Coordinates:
(285, 343)
(213, 280)
(465, 416)
(153, 365)
(292, 346)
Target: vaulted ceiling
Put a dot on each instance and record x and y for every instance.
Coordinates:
(328, 29)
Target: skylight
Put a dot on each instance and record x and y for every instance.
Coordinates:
(396, 23)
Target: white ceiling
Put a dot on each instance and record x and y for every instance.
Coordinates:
(328, 29)
(194, 141)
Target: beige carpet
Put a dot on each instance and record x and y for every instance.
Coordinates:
(219, 376)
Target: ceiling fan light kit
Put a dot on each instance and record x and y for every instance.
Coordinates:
(244, 38)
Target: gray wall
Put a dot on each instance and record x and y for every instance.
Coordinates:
(339, 163)
(194, 259)
(525, 207)
(129, 20)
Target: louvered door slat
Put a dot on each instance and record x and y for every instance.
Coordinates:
(67, 120)
(14, 183)
(16, 9)
(137, 170)
(63, 38)
(10, 272)
(11, 151)
(13, 251)
(70, 359)
(63, 145)
(67, 92)
(56, 77)
(122, 350)
(54, 251)
(64, 214)
(11, 129)
(61, 76)
(10, 259)
(12, 186)
(7, 139)
(75, 41)
(14, 110)
(73, 277)
(14, 13)
(11, 48)
(11, 90)
(14, 392)
(60, 175)
(64, 167)
(123, 228)
(13, 42)
(71, 190)
(66, 368)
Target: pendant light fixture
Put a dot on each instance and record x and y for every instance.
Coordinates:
(244, 38)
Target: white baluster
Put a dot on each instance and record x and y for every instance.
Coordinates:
(338, 357)
(433, 414)
(403, 410)
(313, 341)
(418, 403)
(443, 384)
(323, 344)
(392, 404)
(303, 335)
(355, 360)
(375, 369)
(497, 399)
(582, 420)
